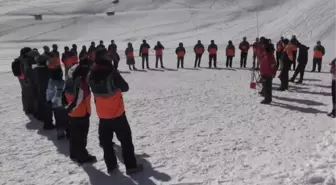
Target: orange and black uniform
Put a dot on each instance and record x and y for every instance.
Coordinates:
(287, 60)
(180, 52)
(296, 44)
(279, 52)
(55, 61)
(144, 49)
(199, 50)
(107, 86)
(319, 52)
(230, 53)
(244, 47)
(212, 49)
(130, 61)
(78, 96)
(158, 54)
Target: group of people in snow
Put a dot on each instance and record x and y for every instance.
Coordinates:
(46, 94)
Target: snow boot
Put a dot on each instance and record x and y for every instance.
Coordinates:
(88, 159)
(113, 170)
(61, 134)
(266, 102)
(291, 80)
(135, 170)
(332, 113)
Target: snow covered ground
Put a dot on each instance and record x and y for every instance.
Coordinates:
(189, 126)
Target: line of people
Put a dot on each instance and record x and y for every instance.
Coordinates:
(45, 94)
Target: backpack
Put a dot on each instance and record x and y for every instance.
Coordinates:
(16, 67)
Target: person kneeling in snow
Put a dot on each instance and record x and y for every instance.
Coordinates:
(333, 88)
(107, 86)
(267, 71)
(57, 101)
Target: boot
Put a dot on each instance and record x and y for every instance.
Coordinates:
(299, 81)
(135, 170)
(332, 113)
(266, 102)
(88, 159)
(291, 80)
(113, 170)
(61, 134)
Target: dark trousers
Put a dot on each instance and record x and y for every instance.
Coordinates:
(79, 129)
(44, 112)
(121, 128)
(145, 59)
(180, 61)
(294, 59)
(61, 119)
(300, 69)
(267, 87)
(255, 65)
(278, 58)
(158, 57)
(214, 59)
(198, 60)
(243, 59)
(318, 62)
(333, 92)
(284, 76)
(229, 61)
(116, 64)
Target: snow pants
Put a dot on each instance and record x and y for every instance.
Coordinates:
(158, 57)
(116, 64)
(229, 61)
(333, 92)
(180, 61)
(255, 66)
(29, 103)
(243, 59)
(79, 129)
(317, 62)
(145, 59)
(284, 75)
(121, 128)
(300, 69)
(267, 88)
(198, 59)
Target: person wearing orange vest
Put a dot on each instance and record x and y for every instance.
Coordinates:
(54, 60)
(92, 51)
(199, 50)
(255, 46)
(143, 52)
(158, 54)
(107, 86)
(180, 52)
(244, 46)
(230, 53)
(319, 52)
(129, 52)
(279, 51)
(287, 60)
(67, 61)
(78, 96)
(333, 88)
(212, 49)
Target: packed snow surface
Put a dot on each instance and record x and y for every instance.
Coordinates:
(189, 126)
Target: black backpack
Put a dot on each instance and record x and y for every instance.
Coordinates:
(16, 67)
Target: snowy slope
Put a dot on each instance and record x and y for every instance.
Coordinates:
(189, 126)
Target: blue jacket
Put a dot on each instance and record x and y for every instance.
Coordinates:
(55, 93)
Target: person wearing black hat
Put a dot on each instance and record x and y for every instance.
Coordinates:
(180, 52)
(107, 86)
(212, 49)
(129, 52)
(199, 50)
(143, 52)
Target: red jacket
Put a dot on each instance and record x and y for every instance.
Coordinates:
(268, 65)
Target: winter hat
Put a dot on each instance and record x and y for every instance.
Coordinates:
(24, 51)
(180, 44)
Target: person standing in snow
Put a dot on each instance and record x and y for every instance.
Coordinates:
(295, 43)
(287, 59)
(158, 54)
(333, 88)
(112, 50)
(92, 51)
(83, 53)
(212, 49)
(143, 53)
(279, 51)
(111, 112)
(256, 46)
(267, 71)
(66, 60)
(101, 45)
(302, 59)
(180, 52)
(78, 97)
(244, 46)
(199, 50)
(319, 52)
(41, 79)
(74, 54)
(129, 52)
(54, 58)
(56, 100)
(230, 53)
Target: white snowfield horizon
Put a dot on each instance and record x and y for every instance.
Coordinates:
(189, 126)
